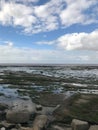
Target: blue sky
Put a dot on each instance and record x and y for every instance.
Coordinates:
(49, 31)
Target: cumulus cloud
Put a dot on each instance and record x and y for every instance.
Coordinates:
(76, 41)
(74, 12)
(52, 15)
(16, 15)
(79, 41)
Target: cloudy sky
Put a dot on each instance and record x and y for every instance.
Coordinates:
(49, 31)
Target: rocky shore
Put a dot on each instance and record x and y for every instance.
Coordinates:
(78, 112)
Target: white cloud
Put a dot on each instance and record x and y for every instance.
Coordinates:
(27, 1)
(19, 1)
(11, 54)
(8, 43)
(45, 42)
(27, 55)
(74, 12)
(16, 14)
(76, 41)
(52, 15)
(79, 41)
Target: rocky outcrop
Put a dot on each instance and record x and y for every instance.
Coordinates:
(79, 125)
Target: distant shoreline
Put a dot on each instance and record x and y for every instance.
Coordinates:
(42, 64)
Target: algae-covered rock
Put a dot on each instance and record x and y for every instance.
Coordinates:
(80, 106)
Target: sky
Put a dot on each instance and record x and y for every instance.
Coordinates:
(49, 31)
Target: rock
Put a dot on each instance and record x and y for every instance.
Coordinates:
(18, 126)
(52, 99)
(3, 128)
(68, 129)
(24, 105)
(40, 122)
(38, 107)
(6, 124)
(3, 106)
(79, 125)
(13, 129)
(17, 116)
(57, 127)
(2, 115)
(94, 127)
(80, 106)
(25, 128)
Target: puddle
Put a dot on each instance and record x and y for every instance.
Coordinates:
(7, 91)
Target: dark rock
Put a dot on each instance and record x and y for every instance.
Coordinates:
(14, 129)
(6, 124)
(2, 115)
(17, 116)
(3, 107)
(38, 107)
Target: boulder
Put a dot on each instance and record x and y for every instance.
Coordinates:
(24, 105)
(40, 122)
(79, 125)
(3, 128)
(13, 116)
(93, 127)
(6, 124)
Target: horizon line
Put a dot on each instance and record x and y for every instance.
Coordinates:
(48, 64)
